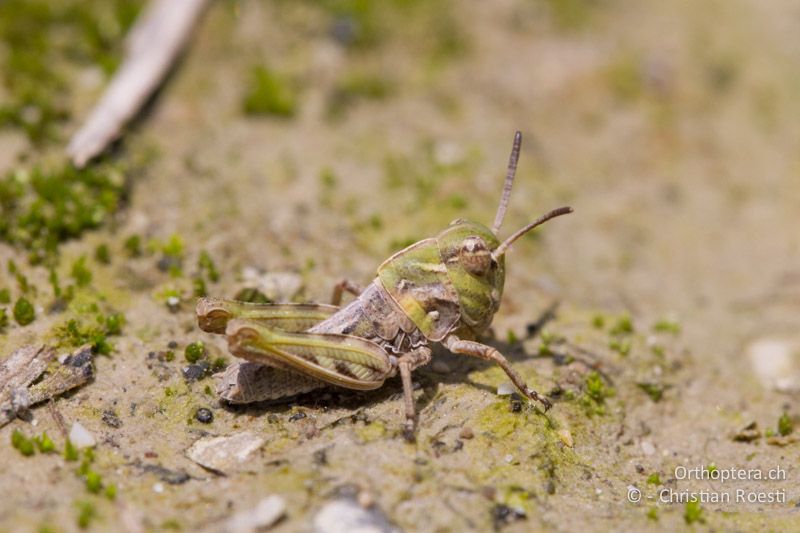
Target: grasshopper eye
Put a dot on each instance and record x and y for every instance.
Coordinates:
(475, 256)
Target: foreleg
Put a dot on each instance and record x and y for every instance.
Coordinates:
(487, 353)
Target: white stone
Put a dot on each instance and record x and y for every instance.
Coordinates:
(223, 454)
(80, 437)
(506, 389)
(265, 514)
(346, 516)
(774, 364)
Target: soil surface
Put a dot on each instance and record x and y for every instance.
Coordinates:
(661, 317)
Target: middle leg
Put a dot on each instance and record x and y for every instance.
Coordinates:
(406, 363)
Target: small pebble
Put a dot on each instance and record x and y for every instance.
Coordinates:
(204, 415)
(195, 372)
(346, 516)
(173, 304)
(80, 437)
(466, 433)
(111, 419)
(225, 454)
(648, 448)
(505, 389)
(566, 437)
(365, 499)
(158, 488)
(268, 511)
(775, 364)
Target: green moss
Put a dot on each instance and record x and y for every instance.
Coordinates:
(623, 325)
(785, 424)
(23, 444)
(693, 512)
(39, 41)
(172, 524)
(77, 332)
(111, 491)
(515, 498)
(667, 326)
(206, 265)
(5, 296)
(354, 88)
(621, 346)
(24, 313)
(498, 419)
(625, 78)
(114, 323)
(195, 351)
(94, 482)
(370, 432)
(652, 513)
(268, 93)
(43, 207)
(86, 513)
(252, 296)
(327, 185)
(595, 394)
(80, 272)
(133, 245)
(54, 283)
(3, 318)
(219, 364)
(199, 288)
(45, 443)
(571, 14)
(102, 254)
(511, 337)
(654, 479)
(599, 321)
(172, 253)
(654, 390)
(70, 451)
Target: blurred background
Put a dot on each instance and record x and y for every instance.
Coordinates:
(318, 138)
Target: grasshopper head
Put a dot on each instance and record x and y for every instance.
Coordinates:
(475, 256)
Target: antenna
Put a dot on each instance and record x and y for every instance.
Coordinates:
(512, 170)
(500, 250)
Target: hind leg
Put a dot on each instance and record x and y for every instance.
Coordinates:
(341, 287)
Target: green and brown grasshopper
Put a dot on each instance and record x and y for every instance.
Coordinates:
(444, 289)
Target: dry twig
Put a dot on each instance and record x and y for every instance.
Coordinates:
(153, 44)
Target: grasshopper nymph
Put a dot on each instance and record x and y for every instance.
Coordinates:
(443, 289)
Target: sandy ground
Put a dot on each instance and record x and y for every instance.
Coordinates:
(669, 127)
